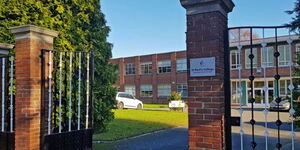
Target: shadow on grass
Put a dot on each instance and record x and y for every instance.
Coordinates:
(103, 146)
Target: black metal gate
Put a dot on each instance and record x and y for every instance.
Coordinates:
(7, 107)
(262, 61)
(67, 100)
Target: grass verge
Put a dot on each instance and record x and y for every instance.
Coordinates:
(130, 123)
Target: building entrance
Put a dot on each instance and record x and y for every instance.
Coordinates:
(261, 96)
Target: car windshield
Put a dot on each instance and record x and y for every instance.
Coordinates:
(130, 96)
(123, 95)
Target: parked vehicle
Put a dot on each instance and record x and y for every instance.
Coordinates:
(283, 105)
(126, 100)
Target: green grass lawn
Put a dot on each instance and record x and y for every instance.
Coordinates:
(156, 106)
(102, 146)
(130, 123)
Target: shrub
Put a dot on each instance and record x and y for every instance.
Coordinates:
(175, 96)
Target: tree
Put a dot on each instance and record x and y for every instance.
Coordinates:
(295, 27)
(82, 27)
(243, 35)
(174, 96)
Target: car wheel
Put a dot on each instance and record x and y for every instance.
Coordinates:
(139, 106)
(120, 105)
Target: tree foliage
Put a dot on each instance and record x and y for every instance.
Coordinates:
(174, 96)
(236, 35)
(82, 27)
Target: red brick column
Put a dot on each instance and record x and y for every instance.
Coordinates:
(206, 23)
(121, 74)
(29, 42)
(154, 79)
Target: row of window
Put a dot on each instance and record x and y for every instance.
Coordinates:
(259, 92)
(163, 90)
(267, 57)
(162, 67)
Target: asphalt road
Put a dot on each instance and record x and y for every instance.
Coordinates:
(177, 138)
(171, 139)
(285, 130)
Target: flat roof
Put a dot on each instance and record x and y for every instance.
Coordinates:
(236, 43)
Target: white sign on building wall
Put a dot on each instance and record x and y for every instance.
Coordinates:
(203, 67)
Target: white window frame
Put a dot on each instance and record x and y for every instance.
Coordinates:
(270, 54)
(181, 65)
(146, 90)
(286, 89)
(182, 89)
(297, 49)
(284, 59)
(163, 90)
(164, 65)
(237, 56)
(130, 89)
(248, 64)
(129, 69)
(146, 68)
(234, 92)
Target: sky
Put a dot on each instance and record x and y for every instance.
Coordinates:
(140, 27)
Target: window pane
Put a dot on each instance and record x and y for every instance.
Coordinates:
(130, 89)
(164, 90)
(181, 65)
(259, 84)
(288, 54)
(264, 56)
(146, 68)
(267, 57)
(248, 62)
(285, 54)
(282, 55)
(235, 96)
(287, 87)
(270, 84)
(146, 90)
(164, 66)
(130, 69)
(235, 63)
(270, 56)
(282, 87)
(182, 89)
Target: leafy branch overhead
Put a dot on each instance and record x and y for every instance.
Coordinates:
(81, 26)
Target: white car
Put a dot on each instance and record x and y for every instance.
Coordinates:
(125, 100)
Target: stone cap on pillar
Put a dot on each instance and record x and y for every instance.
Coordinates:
(203, 6)
(34, 32)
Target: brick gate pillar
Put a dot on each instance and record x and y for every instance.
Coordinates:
(29, 42)
(206, 33)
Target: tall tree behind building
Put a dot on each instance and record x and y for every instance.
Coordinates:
(236, 35)
(82, 27)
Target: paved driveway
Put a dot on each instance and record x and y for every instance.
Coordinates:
(259, 130)
(171, 139)
(177, 138)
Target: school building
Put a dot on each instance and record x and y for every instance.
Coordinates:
(152, 78)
